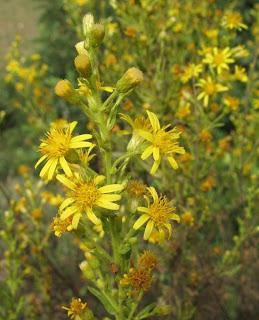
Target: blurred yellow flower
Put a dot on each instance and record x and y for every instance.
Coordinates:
(75, 309)
(208, 89)
(157, 215)
(219, 59)
(187, 218)
(231, 102)
(233, 20)
(240, 74)
(191, 71)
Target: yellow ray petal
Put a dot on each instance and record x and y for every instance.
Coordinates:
(172, 162)
(66, 203)
(92, 217)
(66, 182)
(81, 137)
(148, 229)
(175, 217)
(46, 167)
(107, 205)
(99, 179)
(141, 220)
(110, 197)
(68, 212)
(142, 209)
(52, 169)
(145, 134)
(72, 126)
(155, 167)
(153, 193)
(111, 188)
(147, 152)
(65, 166)
(156, 154)
(153, 120)
(40, 160)
(75, 220)
(80, 144)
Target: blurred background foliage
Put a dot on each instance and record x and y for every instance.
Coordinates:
(208, 270)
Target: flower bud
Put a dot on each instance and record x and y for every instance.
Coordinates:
(88, 22)
(163, 310)
(80, 48)
(96, 34)
(64, 89)
(83, 65)
(131, 78)
(72, 156)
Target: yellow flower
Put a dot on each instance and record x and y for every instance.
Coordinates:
(139, 123)
(231, 102)
(81, 2)
(61, 226)
(219, 58)
(233, 20)
(191, 71)
(76, 308)
(209, 89)
(162, 143)
(188, 218)
(56, 146)
(240, 52)
(240, 74)
(157, 215)
(183, 110)
(147, 260)
(140, 279)
(136, 188)
(84, 195)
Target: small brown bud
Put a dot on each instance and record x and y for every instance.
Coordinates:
(83, 65)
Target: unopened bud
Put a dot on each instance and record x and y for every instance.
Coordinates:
(83, 65)
(64, 89)
(96, 34)
(80, 48)
(88, 22)
(131, 78)
(72, 156)
(163, 310)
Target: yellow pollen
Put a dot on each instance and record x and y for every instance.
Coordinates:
(219, 59)
(86, 195)
(210, 88)
(57, 143)
(160, 211)
(162, 140)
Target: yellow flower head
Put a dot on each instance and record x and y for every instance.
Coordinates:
(76, 308)
(59, 226)
(136, 188)
(233, 21)
(209, 88)
(191, 71)
(84, 195)
(161, 143)
(56, 146)
(139, 279)
(219, 59)
(240, 74)
(147, 260)
(157, 215)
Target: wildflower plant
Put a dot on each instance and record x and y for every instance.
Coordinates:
(95, 205)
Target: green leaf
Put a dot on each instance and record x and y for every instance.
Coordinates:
(108, 302)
